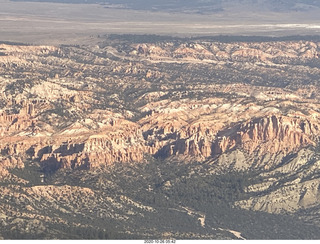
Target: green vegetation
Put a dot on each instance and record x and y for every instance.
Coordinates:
(193, 187)
(31, 173)
(145, 200)
(69, 233)
(218, 38)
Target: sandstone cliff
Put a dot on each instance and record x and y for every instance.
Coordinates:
(84, 129)
(78, 119)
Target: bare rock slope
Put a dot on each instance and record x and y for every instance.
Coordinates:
(234, 106)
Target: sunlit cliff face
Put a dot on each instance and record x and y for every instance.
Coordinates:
(66, 107)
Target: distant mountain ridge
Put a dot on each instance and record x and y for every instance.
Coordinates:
(199, 6)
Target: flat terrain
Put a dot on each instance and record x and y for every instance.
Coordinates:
(54, 23)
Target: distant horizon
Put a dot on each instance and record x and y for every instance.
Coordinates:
(28, 21)
(197, 6)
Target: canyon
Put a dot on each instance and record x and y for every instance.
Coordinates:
(134, 126)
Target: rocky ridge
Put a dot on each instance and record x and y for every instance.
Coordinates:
(231, 106)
